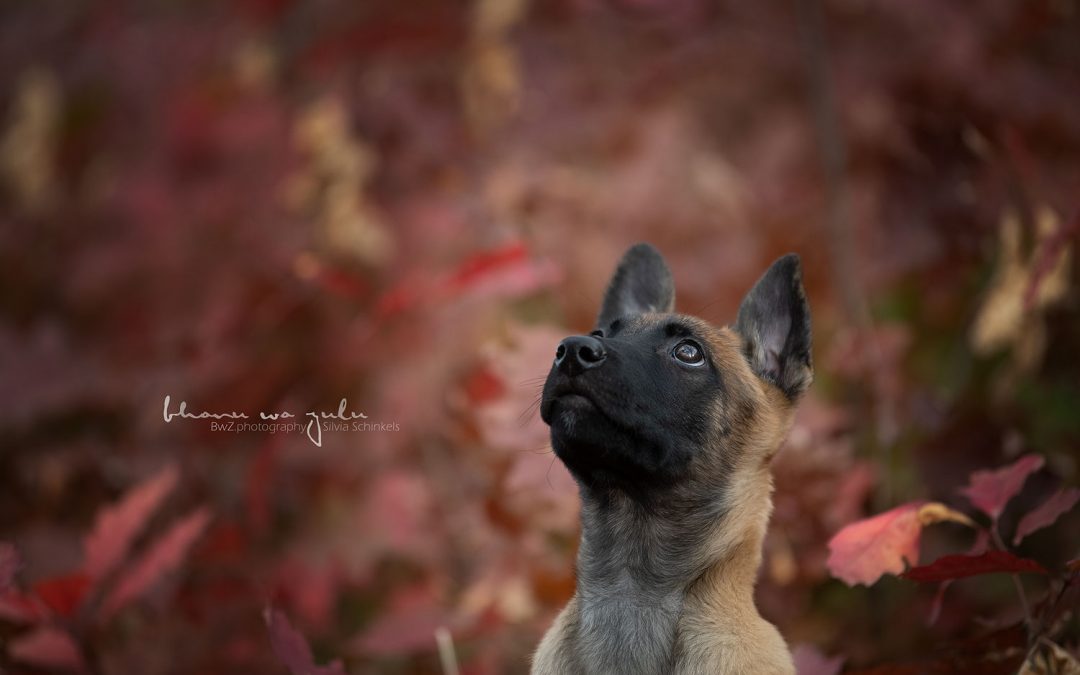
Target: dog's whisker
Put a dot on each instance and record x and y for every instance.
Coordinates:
(526, 415)
(547, 475)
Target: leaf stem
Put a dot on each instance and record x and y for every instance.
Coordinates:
(447, 658)
(1028, 620)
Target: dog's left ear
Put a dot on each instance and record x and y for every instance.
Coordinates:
(642, 283)
(774, 322)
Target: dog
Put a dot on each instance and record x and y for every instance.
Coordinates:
(668, 424)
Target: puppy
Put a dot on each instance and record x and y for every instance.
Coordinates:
(668, 425)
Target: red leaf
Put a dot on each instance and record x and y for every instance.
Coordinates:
(483, 386)
(510, 280)
(407, 626)
(960, 566)
(980, 545)
(46, 647)
(22, 608)
(401, 298)
(486, 262)
(342, 282)
(1046, 258)
(510, 421)
(63, 594)
(117, 526)
(938, 603)
(397, 514)
(163, 556)
(1045, 515)
(308, 587)
(400, 633)
(293, 649)
(9, 565)
(810, 661)
(507, 271)
(864, 550)
(990, 491)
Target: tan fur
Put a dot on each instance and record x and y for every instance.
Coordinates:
(718, 628)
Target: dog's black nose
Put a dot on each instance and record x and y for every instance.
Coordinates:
(579, 353)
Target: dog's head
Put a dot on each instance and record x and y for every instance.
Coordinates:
(650, 396)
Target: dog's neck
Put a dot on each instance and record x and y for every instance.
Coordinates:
(641, 568)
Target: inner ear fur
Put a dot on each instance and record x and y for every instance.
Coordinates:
(774, 323)
(642, 283)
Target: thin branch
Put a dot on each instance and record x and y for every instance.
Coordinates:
(1029, 621)
(447, 656)
(845, 277)
(834, 163)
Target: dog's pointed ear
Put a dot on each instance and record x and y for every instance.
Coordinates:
(641, 283)
(774, 322)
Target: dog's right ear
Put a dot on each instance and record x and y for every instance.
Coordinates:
(774, 322)
(642, 283)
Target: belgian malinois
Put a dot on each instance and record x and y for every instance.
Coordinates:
(668, 425)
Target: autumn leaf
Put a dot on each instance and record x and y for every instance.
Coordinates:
(960, 566)
(163, 556)
(398, 507)
(332, 187)
(116, 527)
(63, 594)
(508, 419)
(862, 551)
(504, 272)
(1046, 514)
(309, 587)
(46, 647)
(938, 603)
(507, 595)
(990, 491)
(292, 647)
(1056, 661)
(1050, 262)
(1053, 661)
(980, 545)
(507, 271)
(406, 625)
(936, 512)
(810, 661)
(1025, 283)
(37, 106)
(22, 608)
(540, 490)
(491, 82)
(398, 633)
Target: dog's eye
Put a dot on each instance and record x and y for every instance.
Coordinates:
(597, 333)
(689, 353)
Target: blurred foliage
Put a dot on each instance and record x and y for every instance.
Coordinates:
(271, 205)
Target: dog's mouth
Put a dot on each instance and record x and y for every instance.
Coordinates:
(600, 429)
(567, 397)
(578, 404)
(574, 398)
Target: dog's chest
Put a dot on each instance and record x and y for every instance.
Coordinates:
(628, 629)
